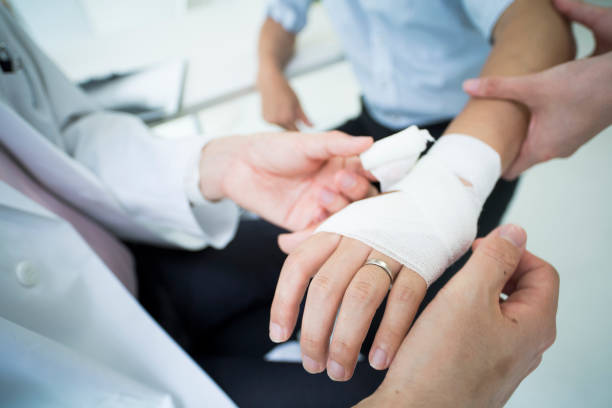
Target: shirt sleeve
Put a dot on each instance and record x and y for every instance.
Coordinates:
(291, 14)
(149, 177)
(484, 14)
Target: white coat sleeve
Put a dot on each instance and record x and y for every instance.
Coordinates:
(148, 176)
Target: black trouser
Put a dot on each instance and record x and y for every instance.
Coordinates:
(216, 306)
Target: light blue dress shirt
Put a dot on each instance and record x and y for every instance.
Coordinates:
(410, 57)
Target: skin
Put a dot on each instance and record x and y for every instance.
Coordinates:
(570, 103)
(340, 281)
(468, 348)
(290, 179)
(280, 104)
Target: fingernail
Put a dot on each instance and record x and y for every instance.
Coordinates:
(277, 333)
(379, 359)
(513, 234)
(470, 85)
(335, 371)
(347, 181)
(327, 197)
(312, 366)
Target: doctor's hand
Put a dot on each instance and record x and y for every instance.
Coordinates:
(469, 348)
(570, 103)
(280, 104)
(293, 180)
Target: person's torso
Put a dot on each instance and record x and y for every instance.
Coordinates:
(410, 57)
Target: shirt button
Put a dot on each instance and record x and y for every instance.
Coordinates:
(27, 275)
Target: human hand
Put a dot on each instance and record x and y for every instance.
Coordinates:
(469, 348)
(293, 180)
(280, 104)
(342, 279)
(569, 103)
(414, 226)
(596, 18)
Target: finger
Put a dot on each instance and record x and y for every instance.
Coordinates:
(534, 283)
(302, 116)
(299, 267)
(515, 88)
(587, 14)
(526, 159)
(495, 259)
(402, 304)
(290, 126)
(533, 302)
(363, 296)
(324, 296)
(331, 201)
(290, 241)
(322, 146)
(353, 186)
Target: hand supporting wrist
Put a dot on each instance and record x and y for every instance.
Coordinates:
(431, 218)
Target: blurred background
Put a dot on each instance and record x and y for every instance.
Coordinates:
(189, 66)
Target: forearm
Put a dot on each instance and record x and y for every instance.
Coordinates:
(276, 47)
(530, 36)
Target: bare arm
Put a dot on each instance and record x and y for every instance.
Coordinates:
(530, 36)
(276, 47)
(280, 104)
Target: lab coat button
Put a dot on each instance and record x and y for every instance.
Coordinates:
(27, 275)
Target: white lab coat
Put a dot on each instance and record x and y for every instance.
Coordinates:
(70, 334)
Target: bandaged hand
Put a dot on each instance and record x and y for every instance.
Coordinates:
(421, 227)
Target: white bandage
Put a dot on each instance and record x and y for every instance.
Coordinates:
(391, 158)
(431, 218)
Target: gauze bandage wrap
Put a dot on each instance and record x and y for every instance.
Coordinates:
(430, 218)
(391, 158)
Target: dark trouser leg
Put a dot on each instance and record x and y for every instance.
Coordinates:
(493, 210)
(196, 295)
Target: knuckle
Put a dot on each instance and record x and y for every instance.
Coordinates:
(321, 286)
(361, 291)
(311, 344)
(297, 266)
(489, 86)
(405, 294)
(551, 336)
(342, 350)
(392, 334)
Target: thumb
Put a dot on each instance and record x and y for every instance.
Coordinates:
(514, 88)
(323, 146)
(495, 259)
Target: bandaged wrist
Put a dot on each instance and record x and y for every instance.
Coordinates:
(430, 219)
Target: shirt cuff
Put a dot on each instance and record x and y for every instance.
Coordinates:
(291, 15)
(218, 219)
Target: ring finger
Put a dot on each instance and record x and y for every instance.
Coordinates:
(363, 296)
